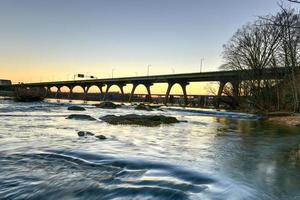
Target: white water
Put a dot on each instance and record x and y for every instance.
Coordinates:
(214, 155)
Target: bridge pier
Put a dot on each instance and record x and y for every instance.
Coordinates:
(121, 86)
(235, 91)
(132, 92)
(183, 86)
(100, 88)
(148, 91)
(85, 90)
(71, 92)
(57, 92)
(147, 85)
(235, 88)
(220, 91)
(170, 85)
(47, 92)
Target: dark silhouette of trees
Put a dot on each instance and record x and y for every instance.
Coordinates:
(267, 43)
(294, 1)
(288, 54)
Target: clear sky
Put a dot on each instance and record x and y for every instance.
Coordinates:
(54, 39)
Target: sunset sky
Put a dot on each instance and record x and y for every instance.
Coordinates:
(55, 39)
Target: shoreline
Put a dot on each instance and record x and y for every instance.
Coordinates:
(283, 118)
(290, 119)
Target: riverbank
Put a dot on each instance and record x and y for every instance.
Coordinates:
(289, 119)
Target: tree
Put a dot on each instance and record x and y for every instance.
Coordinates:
(288, 22)
(294, 1)
(251, 50)
(270, 42)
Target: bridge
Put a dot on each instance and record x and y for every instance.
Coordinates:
(223, 77)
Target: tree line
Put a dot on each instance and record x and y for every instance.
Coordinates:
(269, 42)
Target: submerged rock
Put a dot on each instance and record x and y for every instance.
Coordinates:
(143, 107)
(107, 105)
(142, 120)
(294, 156)
(76, 108)
(101, 137)
(85, 133)
(81, 117)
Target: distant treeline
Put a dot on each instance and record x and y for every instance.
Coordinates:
(270, 41)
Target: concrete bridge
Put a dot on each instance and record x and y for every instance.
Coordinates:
(223, 77)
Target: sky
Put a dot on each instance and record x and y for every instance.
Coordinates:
(45, 40)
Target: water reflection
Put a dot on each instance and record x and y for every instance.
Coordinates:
(261, 155)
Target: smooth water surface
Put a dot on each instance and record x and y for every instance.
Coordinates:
(214, 155)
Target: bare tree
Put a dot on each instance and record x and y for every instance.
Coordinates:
(294, 1)
(289, 53)
(252, 50)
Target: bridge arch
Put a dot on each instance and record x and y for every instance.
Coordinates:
(110, 85)
(230, 88)
(53, 88)
(145, 85)
(183, 86)
(95, 88)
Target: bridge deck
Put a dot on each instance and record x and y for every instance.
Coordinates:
(187, 77)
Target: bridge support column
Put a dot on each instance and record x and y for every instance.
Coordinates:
(148, 91)
(170, 85)
(121, 86)
(235, 92)
(235, 88)
(132, 92)
(183, 86)
(47, 92)
(85, 90)
(57, 92)
(220, 91)
(70, 93)
(106, 92)
(100, 88)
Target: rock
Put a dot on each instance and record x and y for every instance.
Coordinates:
(107, 105)
(85, 133)
(76, 108)
(81, 117)
(142, 120)
(143, 107)
(279, 114)
(184, 121)
(101, 137)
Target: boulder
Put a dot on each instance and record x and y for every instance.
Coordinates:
(143, 107)
(76, 108)
(107, 105)
(101, 137)
(81, 117)
(85, 133)
(142, 120)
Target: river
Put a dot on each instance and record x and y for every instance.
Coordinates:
(214, 155)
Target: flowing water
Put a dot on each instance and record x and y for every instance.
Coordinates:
(214, 155)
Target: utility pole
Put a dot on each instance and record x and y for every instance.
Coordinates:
(201, 64)
(148, 67)
(112, 73)
(173, 70)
